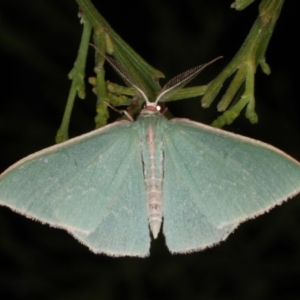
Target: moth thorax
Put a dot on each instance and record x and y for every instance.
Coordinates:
(154, 208)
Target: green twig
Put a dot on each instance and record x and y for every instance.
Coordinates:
(241, 4)
(134, 63)
(244, 64)
(77, 77)
(101, 107)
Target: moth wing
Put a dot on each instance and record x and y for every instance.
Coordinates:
(214, 180)
(78, 184)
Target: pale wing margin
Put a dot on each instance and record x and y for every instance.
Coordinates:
(71, 185)
(229, 178)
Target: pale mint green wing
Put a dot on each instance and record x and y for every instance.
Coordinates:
(186, 227)
(80, 184)
(215, 180)
(124, 229)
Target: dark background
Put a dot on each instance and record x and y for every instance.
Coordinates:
(38, 45)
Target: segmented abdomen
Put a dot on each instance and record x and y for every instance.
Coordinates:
(152, 156)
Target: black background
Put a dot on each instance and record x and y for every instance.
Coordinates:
(38, 45)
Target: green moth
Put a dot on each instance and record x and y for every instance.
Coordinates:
(116, 186)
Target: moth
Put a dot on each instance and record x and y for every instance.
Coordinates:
(117, 187)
